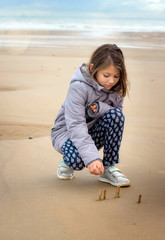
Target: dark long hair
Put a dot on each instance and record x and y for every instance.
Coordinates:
(106, 55)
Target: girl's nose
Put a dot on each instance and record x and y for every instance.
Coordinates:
(111, 80)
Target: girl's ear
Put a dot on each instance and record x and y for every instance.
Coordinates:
(91, 66)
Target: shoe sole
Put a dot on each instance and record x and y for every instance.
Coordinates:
(64, 178)
(114, 184)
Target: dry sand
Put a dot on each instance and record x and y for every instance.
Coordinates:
(34, 203)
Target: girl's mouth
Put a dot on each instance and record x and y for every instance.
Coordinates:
(109, 86)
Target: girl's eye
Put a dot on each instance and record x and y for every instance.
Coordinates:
(106, 76)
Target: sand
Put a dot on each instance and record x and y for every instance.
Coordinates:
(34, 203)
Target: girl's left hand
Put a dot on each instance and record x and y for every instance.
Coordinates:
(93, 107)
(96, 168)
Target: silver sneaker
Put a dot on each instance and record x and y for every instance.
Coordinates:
(64, 172)
(113, 176)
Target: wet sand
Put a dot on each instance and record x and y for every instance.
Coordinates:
(34, 203)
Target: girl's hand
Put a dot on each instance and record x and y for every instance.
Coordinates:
(96, 168)
(93, 107)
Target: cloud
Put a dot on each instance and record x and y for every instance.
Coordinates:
(131, 6)
(155, 5)
(153, 1)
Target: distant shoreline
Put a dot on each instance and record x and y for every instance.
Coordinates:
(64, 39)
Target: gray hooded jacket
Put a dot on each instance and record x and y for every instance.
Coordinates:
(76, 117)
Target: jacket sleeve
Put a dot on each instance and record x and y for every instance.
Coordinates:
(103, 107)
(76, 123)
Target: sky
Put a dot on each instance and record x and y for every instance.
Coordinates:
(115, 8)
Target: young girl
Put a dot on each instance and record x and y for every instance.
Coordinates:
(91, 118)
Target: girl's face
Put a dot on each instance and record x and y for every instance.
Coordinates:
(108, 77)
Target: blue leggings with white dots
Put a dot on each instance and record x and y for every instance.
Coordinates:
(106, 132)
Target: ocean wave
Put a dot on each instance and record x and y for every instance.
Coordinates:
(96, 26)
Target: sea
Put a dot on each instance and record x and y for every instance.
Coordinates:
(48, 31)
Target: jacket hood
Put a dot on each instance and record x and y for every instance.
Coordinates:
(82, 75)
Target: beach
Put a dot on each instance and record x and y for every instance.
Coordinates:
(34, 203)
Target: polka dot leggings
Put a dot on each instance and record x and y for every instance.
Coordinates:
(106, 132)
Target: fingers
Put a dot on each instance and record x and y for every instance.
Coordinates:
(96, 168)
(94, 108)
(95, 171)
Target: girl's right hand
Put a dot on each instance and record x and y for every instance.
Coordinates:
(96, 167)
